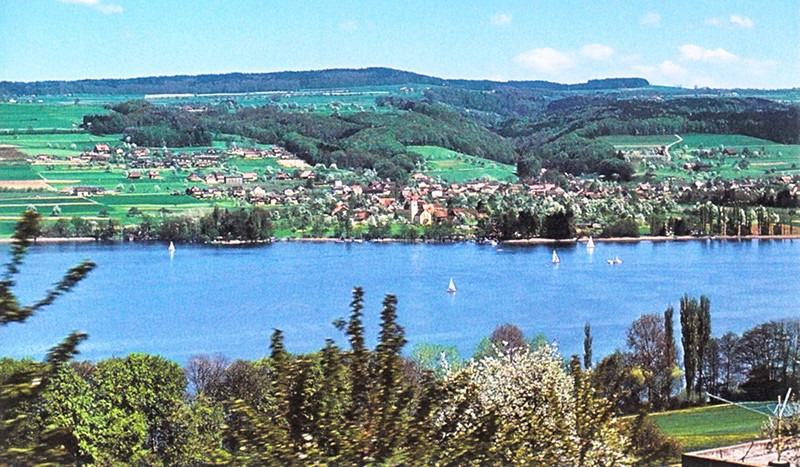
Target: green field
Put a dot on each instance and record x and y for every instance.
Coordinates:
(709, 427)
(45, 115)
(56, 144)
(18, 171)
(454, 167)
(763, 159)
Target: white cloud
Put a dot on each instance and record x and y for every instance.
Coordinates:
(546, 60)
(672, 70)
(736, 21)
(109, 8)
(742, 21)
(501, 19)
(105, 8)
(673, 74)
(597, 52)
(695, 53)
(348, 25)
(652, 18)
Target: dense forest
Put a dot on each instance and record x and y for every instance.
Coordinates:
(363, 140)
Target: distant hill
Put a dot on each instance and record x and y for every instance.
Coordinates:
(291, 81)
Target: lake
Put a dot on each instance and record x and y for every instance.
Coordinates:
(228, 299)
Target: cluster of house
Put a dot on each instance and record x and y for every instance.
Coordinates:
(424, 200)
(143, 158)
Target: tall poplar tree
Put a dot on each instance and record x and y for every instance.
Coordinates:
(359, 361)
(670, 354)
(695, 337)
(587, 346)
(389, 380)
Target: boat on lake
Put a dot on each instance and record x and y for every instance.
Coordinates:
(590, 244)
(555, 259)
(616, 260)
(452, 287)
(171, 247)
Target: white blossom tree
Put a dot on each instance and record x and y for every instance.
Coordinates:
(523, 407)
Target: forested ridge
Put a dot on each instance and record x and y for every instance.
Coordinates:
(362, 140)
(286, 81)
(512, 127)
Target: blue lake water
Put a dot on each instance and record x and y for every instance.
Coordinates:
(228, 299)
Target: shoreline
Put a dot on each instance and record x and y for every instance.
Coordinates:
(646, 238)
(515, 242)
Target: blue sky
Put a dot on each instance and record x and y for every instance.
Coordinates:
(688, 43)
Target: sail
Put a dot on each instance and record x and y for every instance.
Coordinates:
(452, 287)
(171, 246)
(590, 244)
(556, 260)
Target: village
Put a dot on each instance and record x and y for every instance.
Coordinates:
(276, 178)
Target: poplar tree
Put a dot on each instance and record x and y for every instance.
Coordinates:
(670, 354)
(277, 350)
(359, 362)
(689, 341)
(389, 382)
(587, 346)
(703, 339)
(695, 337)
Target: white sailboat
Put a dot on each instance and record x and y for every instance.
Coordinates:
(590, 244)
(171, 247)
(452, 287)
(556, 259)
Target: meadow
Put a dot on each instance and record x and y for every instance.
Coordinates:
(455, 167)
(763, 158)
(59, 144)
(22, 116)
(713, 426)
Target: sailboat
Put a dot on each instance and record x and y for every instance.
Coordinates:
(555, 260)
(171, 247)
(590, 244)
(452, 287)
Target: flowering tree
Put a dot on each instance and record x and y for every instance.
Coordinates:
(523, 407)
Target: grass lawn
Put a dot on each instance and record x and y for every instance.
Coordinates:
(709, 427)
(454, 167)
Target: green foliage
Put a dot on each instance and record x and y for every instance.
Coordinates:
(436, 357)
(559, 224)
(649, 444)
(22, 440)
(143, 385)
(695, 336)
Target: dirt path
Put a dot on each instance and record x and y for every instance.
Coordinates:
(666, 149)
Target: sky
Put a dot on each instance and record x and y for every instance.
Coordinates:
(714, 43)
